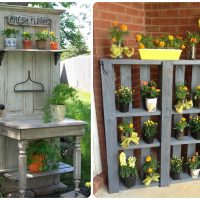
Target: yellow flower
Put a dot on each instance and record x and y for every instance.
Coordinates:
(198, 87)
(124, 27)
(148, 158)
(115, 23)
(183, 119)
(121, 128)
(138, 37)
(52, 33)
(162, 44)
(131, 125)
(185, 88)
(149, 170)
(114, 40)
(88, 184)
(141, 46)
(122, 159)
(171, 37)
(182, 46)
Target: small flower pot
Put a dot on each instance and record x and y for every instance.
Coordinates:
(175, 176)
(27, 44)
(179, 135)
(197, 102)
(54, 46)
(123, 107)
(194, 173)
(11, 43)
(151, 104)
(130, 181)
(58, 112)
(41, 44)
(196, 135)
(148, 140)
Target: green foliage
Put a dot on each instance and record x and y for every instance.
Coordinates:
(10, 33)
(42, 35)
(176, 164)
(150, 128)
(124, 94)
(194, 124)
(193, 38)
(197, 92)
(149, 90)
(181, 125)
(126, 128)
(26, 36)
(151, 166)
(1, 179)
(47, 116)
(181, 91)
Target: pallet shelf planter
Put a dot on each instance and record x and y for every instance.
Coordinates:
(166, 146)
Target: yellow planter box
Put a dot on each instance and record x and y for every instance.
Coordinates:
(160, 54)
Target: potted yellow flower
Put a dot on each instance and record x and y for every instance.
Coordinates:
(27, 42)
(176, 167)
(179, 128)
(197, 96)
(194, 124)
(53, 43)
(150, 131)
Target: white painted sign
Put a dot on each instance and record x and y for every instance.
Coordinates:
(28, 21)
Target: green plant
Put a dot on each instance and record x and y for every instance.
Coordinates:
(176, 164)
(10, 33)
(126, 128)
(194, 123)
(149, 90)
(47, 116)
(150, 128)
(53, 36)
(127, 166)
(197, 92)
(26, 36)
(181, 91)
(42, 35)
(193, 38)
(61, 93)
(151, 166)
(181, 125)
(49, 148)
(193, 163)
(124, 94)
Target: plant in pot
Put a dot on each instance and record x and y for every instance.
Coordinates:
(54, 42)
(128, 134)
(27, 42)
(150, 131)
(123, 97)
(150, 170)
(10, 38)
(197, 96)
(42, 38)
(150, 93)
(194, 125)
(60, 95)
(193, 164)
(176, 167)
(128, 170)
(43, 155)
(179, 128)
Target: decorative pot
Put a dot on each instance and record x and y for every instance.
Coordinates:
(175, 175)
(194, 173)
(54, 45)
(197, 102)
(11, 43)
(193, 52)
(160, 54)
(27, 44)
(130, 181)
(123, 107)
(58, 112)
(196, 135)
(179, 135)
(151, 104)
(41, 44)
(37, 163)
(148, 140)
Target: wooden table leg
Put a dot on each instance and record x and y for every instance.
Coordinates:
(77, 164)
(22, 168)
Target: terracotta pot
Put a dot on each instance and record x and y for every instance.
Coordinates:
(179, 135)
(54, 45)
(151, 104)
(130, 181)
(196, 135)
(175, 175)
(27, 44)
(41, 44)
(37, 163)
(197, 102)
(123, 107)
(148, 140)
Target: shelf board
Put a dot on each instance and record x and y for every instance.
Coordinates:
(190, 111)
(184, 178)
(141, 145)
(33, 50)
(137, 112)
(186, 140)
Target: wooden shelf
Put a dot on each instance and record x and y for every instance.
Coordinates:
(184, 178)
(190, 111)
(186, 140)
(141, 145)
(137, 112)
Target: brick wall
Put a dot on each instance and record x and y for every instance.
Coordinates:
(152, 18)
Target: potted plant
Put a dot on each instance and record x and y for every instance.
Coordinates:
(194, 124)
(61, 93)
(179, 128)
(41, 41)
(128, 134)
(150, 170)
(193, 164)
(150, 131)
(197, 96)
(42, 155)
(165, 47)
(53, 43)
(176, 164)
(123, 97)
(10, 38)
(27, 42)
(128, 170)
(150, 92)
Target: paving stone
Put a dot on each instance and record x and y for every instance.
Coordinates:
(28, 194)
(71, 195)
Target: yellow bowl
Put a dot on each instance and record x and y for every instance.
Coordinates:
(160, 54)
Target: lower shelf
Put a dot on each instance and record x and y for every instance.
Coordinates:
(184, 178)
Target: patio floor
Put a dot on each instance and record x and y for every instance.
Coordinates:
(184, 190)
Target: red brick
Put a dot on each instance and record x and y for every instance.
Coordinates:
(116, 8)
(107, 15)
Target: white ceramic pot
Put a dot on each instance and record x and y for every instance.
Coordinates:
(151, 104)
(194, 173)
(58, 112)
(10, 43)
